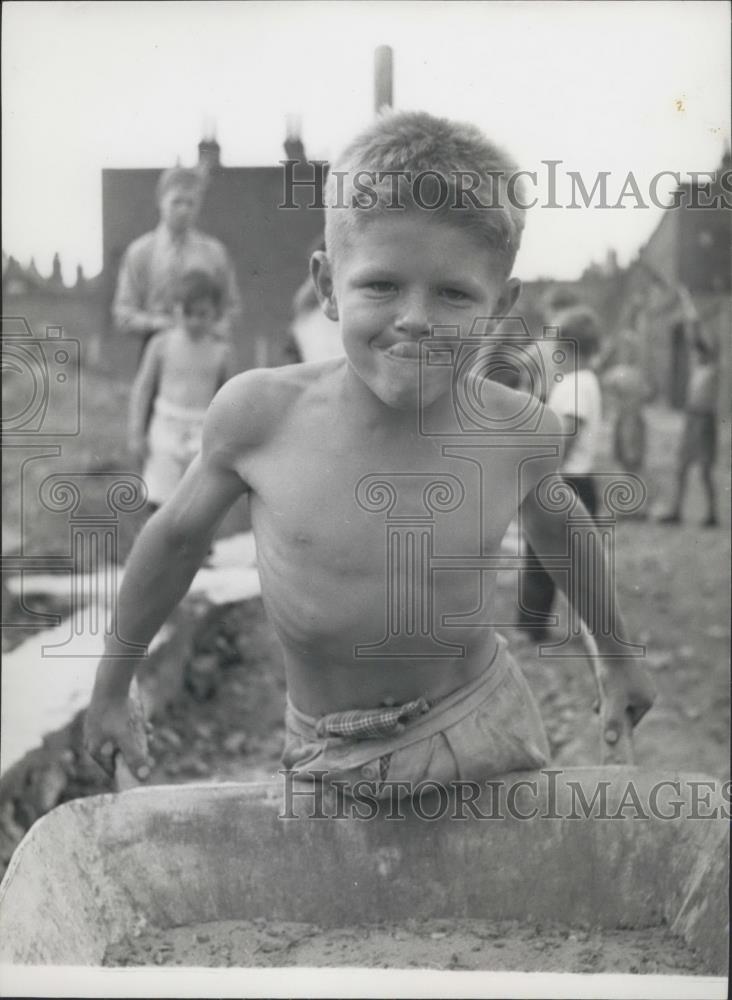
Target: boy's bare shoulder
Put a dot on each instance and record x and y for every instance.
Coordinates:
(251, 406)
(529, 423)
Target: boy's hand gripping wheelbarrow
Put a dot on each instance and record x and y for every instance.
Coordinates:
(616, 720)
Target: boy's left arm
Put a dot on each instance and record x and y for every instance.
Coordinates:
(626, 689)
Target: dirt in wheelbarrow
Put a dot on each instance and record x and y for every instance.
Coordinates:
(416, 944)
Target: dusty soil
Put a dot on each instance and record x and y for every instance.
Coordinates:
(421, 944)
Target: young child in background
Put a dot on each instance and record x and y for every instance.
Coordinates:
(395, 672)
(577, 401)
(182, 370)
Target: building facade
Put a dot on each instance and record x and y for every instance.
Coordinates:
(688, 251)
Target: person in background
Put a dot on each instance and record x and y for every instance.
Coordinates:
(311, 336)
(153, 265)
(624, 382)
(182, 369)
(699, 437)
(577, 401)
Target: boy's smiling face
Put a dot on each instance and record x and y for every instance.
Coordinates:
(399, 277)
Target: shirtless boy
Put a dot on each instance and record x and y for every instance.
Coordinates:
(310, 443)
(182, 370)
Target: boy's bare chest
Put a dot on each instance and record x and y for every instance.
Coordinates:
(342, 495)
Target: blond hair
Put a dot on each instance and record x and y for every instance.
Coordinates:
(433, 156)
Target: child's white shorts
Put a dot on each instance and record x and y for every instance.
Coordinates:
(174, 440)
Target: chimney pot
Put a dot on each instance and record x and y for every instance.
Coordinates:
(383, 78)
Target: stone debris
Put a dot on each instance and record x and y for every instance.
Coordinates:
(202, 676)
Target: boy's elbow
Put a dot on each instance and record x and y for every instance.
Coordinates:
(182, 540)
(165, 534)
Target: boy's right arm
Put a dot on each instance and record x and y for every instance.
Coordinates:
(163, 562)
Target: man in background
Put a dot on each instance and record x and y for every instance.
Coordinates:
(154, 264)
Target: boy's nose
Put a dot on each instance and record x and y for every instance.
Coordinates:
(414, 317)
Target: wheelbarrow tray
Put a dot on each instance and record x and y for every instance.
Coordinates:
(96, 869)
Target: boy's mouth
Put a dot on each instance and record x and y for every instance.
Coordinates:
(404, 350)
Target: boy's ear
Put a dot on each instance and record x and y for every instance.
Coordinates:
(321, 272)
(508, 297)
(505, 302)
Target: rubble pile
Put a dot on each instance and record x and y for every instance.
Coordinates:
(214, 689)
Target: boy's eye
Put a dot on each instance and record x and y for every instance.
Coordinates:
(381, 287)
(454, 295)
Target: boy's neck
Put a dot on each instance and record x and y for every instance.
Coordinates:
(371, 412)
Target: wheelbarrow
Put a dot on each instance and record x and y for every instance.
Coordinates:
(93, 870)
